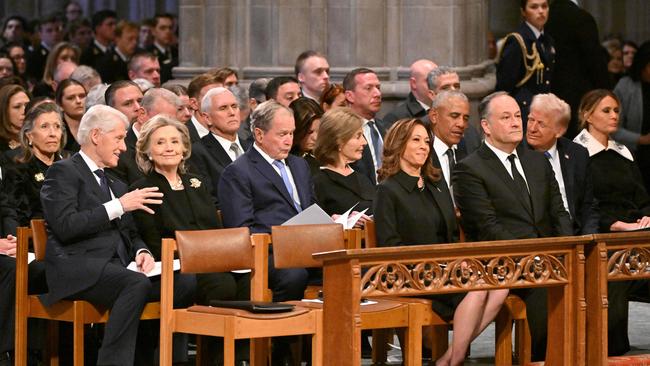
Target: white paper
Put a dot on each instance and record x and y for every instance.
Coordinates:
(343, 219)
(157, 269)
(353, 220)
(31, 257)
(320, 301)
(310, 216)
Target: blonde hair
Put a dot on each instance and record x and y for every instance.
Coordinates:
(337, 127)
(144, 142)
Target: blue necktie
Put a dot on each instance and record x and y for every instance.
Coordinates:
(103, 184)
(287, 183)
(376, 142)
(547, 154)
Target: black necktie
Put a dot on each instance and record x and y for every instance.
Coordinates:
(452, 160)
(376, 142)
(121, 250)
(520, 183)
(103, 184)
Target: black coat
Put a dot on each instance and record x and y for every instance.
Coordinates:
(410, 108)
(404, 216)
(111, 67)
(336, 193)
(189, 209)
(365, 165)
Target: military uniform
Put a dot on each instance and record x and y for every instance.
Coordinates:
(167, 59)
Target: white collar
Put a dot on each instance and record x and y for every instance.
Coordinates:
(587, 140)
(89, 162)
(440, 147)
(423, 105)
(122, 56)
(553, 151)
(502, 155)
(200, 129)
(160, 48)
(266, 156)
(136, 132)
(225, 143)
(307, 95)
(100, 46)
(536, 31)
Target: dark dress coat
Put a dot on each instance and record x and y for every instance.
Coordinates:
(336, 193)
(111, 67)
(365, 165)
(511, 68)
(409, 108)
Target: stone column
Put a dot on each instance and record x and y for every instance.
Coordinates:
(264, 37)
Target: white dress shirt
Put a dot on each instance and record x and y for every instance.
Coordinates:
(367, 135)
(554, 159)
(503, 158)
(441, 151)
(113, 207)
(200, 129)
(225, 143)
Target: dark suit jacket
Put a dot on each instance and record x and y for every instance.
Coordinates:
(410, 108)
(400, 222)
(336, 194)
(252, 194)
(511, 68)
(491, 208)
(127, 169)
(194, 134)
(81, 239)
(195, 212)
(581, 62)
(91, 55)
(209, 159)
(111, 67)
(36, 58)
(365, 165)
(576, 173)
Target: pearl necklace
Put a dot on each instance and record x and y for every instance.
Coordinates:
(177, 186)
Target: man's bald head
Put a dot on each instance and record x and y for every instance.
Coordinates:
(418, 79)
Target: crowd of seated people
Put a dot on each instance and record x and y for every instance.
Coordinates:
(114, 168)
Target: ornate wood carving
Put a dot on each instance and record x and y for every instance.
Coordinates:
(408, 277)
(629, 262)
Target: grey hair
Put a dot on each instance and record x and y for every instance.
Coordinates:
(85, 74)
(551, 104)
(241, 94)
(432, 77)
(443, 97)
(99, 116)
(96, 95)
(28, 126)
(143, 146)
(484, 106)
(143, 84)
(152, 96)
(263, 115)
(206, 102)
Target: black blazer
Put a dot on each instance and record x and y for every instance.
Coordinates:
(91, 55)
(491, 208)
(365, 165)
(81, 239)
(335, 193)
(167, 61)
(111, 67)
(410, 108)
(578, 184)
(511, 68)
(195, 212)
(194, 134)
(36, 58)
(252, 194)
(402, 219)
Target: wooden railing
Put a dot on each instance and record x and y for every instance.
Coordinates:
(557, 264)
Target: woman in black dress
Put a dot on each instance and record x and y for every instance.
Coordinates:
(13, 99)
(42, 139)
(340, 142)
(161, 152)
(623, 200)
(307, 114)
(411, 209)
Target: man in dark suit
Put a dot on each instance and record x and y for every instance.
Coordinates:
(363, 94)
(581, 62)
(104, 22)
(113, 66)
(267, 186)
(162, 47)
(313, 72)
(50, 31)
(505, 191)
(449, 115)
(92, 236)
(418, 101)
(145, 65)
(222, 146)
(525, 69)
(547, 122)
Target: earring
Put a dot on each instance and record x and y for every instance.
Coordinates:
(150, 158)
(29, 143)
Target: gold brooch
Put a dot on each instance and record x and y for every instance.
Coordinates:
(39, 177)
(195, 183)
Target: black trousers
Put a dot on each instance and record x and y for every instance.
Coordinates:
(287, 283)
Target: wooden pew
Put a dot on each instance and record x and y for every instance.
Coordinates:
(554, 263)
(613, 257)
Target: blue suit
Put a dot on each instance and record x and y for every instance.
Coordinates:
(252, 194)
